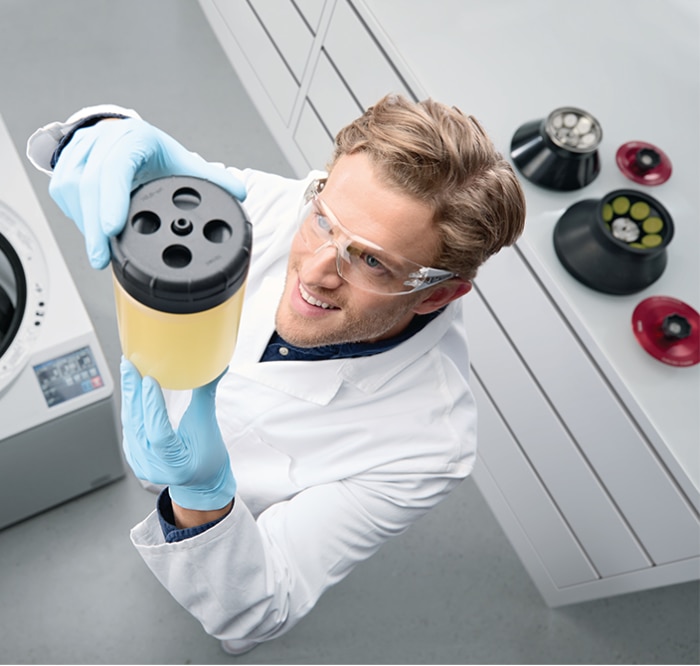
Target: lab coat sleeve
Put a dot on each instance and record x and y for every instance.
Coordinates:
(251, 580)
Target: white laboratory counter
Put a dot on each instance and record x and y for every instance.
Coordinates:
(589, 452)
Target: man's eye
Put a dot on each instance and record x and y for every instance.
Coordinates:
(372, 262)
(323, 224)
(367, 260)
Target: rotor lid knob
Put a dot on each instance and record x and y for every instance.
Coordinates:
(676, 327)
(647, 158)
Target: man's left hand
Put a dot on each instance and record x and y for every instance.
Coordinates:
(193, 460)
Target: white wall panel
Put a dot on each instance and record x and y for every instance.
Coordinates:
(312, 11)
(545, 442)
(362, 64)
(528, 500)
(331, 98)
(272, 71)
(597, 421)
(313, 139)
(288, 31)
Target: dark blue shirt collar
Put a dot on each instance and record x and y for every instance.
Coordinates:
(280, 350)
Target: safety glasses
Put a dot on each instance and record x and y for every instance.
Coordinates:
(359, 261)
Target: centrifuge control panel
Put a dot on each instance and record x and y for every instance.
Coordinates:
(68, 376)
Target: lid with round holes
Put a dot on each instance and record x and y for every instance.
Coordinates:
(185, 246)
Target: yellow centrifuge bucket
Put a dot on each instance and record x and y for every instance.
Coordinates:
(181, 351)
(179, 279)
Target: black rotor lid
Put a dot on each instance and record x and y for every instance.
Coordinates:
(185, 247)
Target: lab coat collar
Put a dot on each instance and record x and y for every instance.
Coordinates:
(320, 383)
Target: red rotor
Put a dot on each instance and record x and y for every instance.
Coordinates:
(643, 163)
(668, 329)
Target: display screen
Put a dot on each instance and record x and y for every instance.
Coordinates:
(68, 376)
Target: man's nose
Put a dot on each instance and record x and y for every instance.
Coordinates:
(320, 267)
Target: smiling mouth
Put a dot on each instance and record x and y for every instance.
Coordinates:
(314, 301)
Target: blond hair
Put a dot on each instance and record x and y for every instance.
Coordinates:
(440, 156)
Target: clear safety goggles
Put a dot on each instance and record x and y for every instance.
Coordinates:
(359, 261)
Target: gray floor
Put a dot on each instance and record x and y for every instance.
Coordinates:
(73, 590)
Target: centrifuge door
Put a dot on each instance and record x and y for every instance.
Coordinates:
(13, 294)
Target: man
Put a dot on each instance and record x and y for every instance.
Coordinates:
(345, 413)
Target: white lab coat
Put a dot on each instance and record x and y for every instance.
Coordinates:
(331, 457)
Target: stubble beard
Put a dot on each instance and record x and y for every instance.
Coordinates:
(351, 326)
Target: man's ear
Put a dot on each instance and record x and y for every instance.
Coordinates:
(442, 294)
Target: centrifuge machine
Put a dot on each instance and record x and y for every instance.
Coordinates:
(58, 426)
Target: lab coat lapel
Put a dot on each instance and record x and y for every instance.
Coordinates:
(370, 373)
(319, 386)
(292, 377)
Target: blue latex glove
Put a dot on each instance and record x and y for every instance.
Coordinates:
(193, 461)
(102, 164)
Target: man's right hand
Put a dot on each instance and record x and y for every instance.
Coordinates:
(101, 165)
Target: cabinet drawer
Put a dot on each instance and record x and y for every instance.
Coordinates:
(527, 499)
(312, 138)
(545, 442)
(603, 430)
(287, 30)
(271, 70)
(331, 98)
(362, 64)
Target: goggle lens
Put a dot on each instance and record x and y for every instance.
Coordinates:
(359, 261)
